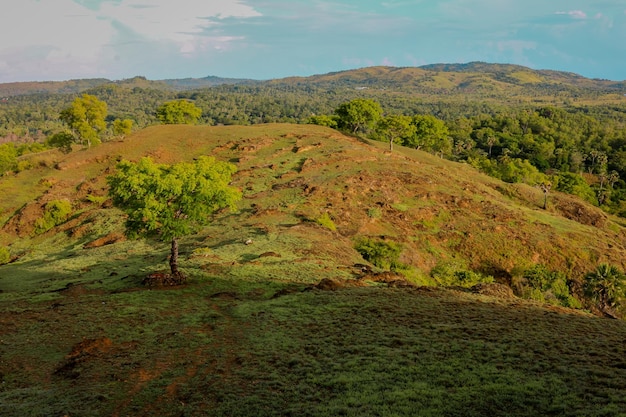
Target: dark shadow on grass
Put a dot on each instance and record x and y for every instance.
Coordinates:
(248, 257)
(41, 276)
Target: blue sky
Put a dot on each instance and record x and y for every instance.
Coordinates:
(264, 39)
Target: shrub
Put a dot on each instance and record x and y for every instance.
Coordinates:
(544, 285)
(374, 213)
(325, 221)
(8, 158)
(55, 213)
(5, 256)
(96, 199)
(455, 273)
(575, 184)
(203, 252)
(383, 254)
(23, 165)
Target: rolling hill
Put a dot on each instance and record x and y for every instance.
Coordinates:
(453, 79)
(282, 315)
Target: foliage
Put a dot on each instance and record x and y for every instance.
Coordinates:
(5, 255)
(61, 140)
(509, 170)
(170, 201)
(85, 117)
(384, 254)
(326, 221)
(178, 112)
(575, 184)
(374, 212)
(455, 273)
(122, 127)
(324, 120)
(55, 212)
(359, 114)
(542, 284)
(430, 134)
(8, 157)
(394, 129)
(606, 286)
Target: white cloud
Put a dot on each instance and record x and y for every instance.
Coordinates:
(576, 14)
(44, 38)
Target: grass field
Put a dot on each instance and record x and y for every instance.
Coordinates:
(239, 348)
(252, 334)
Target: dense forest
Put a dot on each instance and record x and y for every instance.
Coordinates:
(550, 129)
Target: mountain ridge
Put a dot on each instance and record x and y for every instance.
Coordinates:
(512, 74)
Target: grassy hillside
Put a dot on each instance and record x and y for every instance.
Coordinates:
(281, 316)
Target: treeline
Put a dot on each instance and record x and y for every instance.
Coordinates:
(579, 149)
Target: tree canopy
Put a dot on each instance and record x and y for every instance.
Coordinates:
(170, 201)
(86, 118)
(395, 128)
(179, 112)
(359, 114)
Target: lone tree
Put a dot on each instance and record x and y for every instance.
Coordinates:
(170, 201)
(86, 119)
(179, 112)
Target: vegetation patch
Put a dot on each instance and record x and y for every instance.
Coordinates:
(54, 213)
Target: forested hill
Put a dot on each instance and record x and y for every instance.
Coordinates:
(477, 78)
(8, 90)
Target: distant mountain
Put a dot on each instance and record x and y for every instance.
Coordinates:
(210, 81)
(480, 79)
(79, 86)
(496, 80)
(50, 87)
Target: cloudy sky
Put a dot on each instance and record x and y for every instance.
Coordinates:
(263, 39)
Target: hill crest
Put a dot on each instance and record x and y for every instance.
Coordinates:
(292, 174)
(432, 77)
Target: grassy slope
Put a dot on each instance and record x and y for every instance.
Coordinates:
(80, 336)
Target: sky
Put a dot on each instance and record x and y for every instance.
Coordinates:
(43, 40)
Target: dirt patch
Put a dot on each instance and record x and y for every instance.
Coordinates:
(392, 279)
(81, 352)
(163, 279)
(328, 284)
(109, 239)
(581, 212)
(270, 254)
(493, 290)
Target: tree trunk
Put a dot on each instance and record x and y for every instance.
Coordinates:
(176, 274)
(391, 145)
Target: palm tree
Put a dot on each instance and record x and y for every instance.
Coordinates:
(606, 286)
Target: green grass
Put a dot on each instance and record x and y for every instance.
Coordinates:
(80, 335)
(227, 347)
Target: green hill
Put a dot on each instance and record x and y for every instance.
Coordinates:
(282, 315)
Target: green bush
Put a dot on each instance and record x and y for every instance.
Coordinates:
(8, 158)
(383, 254)
(544, 285)
(5, 255)
(55, 213)
(325, 221)
(455, 273)
(374, 213)
(96, 199)
(575, 184)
